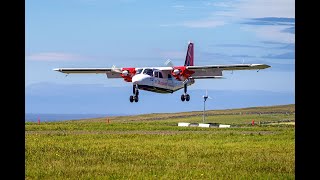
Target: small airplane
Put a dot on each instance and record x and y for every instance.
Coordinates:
(167, 79)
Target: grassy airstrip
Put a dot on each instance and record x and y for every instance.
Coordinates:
(152, 146)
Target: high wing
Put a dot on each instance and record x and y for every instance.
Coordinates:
(196, 72)
(110, 72)
(215, 71)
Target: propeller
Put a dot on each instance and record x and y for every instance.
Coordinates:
(114, 69)
(169, 63)
(118, 70)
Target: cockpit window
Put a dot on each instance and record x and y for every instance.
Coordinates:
(148, 71)
(138, 71)
(160, 75)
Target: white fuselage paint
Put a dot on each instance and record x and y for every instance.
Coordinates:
(157, 84)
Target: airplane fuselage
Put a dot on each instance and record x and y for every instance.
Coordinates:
(158, 81)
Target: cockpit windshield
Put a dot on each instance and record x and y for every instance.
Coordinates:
(148, 71)
(138, 71)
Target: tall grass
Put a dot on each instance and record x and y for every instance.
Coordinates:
(158, 149)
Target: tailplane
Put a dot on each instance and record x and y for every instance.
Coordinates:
(189, 56)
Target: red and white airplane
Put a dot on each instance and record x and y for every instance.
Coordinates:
(165, 79)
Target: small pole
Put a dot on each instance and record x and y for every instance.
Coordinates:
(38, 120)
(252, 122)
(204, 109)
(107, 121)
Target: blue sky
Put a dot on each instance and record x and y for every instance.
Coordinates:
(132, 33)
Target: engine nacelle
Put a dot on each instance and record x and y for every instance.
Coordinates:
(125, 73)
(176, 71)
(181, 73)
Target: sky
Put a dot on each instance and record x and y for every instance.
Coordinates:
(139, 33)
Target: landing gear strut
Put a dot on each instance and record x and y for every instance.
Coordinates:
(135, 97)
(185, 96)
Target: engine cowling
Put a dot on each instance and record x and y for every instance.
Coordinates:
(128, 73)
(181, 73)
(125, 73)
(176, 71)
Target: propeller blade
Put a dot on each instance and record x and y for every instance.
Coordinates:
(169, 63)
(114, 69)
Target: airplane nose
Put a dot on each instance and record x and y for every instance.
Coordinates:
(138, 79)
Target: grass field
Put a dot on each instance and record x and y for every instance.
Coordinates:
(153, 146)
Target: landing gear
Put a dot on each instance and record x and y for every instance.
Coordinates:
(182, 97)
(131, 98)
(185, 96)
(135, 97)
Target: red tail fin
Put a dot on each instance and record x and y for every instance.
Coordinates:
(189, 56)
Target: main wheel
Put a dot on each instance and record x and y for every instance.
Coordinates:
(131, 98)
(187, 97)
(136, 99)
(182, 97)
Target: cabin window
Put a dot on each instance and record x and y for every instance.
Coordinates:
(148, 71)
(156, 74)
(169, 76)
(160, 75)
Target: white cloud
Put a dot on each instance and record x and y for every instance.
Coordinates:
(248, 9)
(255, 8)
(197, 24)
(179, 7)
(265, 8)
(166, 25)
(271, 33)
(225, 4)
(203, 24)
(53, 56)
(227, 12)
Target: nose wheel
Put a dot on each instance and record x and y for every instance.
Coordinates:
(135, 97)
(185, 96)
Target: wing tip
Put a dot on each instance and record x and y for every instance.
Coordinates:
(57, 69)
(262, 66)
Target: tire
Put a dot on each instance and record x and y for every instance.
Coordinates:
(182, 97)
(131, 98)
(187, 97)
(136, 99)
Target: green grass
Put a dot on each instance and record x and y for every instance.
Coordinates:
(140, 147)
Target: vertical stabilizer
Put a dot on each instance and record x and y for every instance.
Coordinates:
(189, 56)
